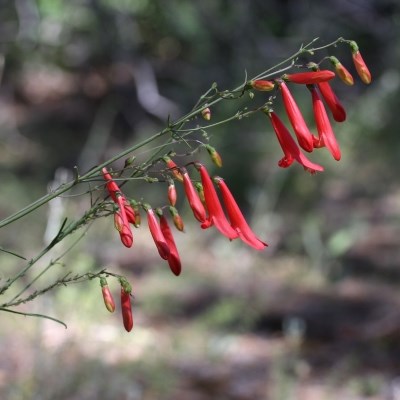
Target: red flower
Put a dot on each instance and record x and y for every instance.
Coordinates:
(156, 233)
(237, 219)
(173, 168)
(308, 78)
(262, 85)
(126, 306)
(289, 146)
(107, 296)
(359, 63)
(342, 72)
(304, 136)
(193, 198)
(326, 137)
(331, 100)
(173, 259)
(216, 215)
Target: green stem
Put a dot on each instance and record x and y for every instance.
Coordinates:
(179, 123)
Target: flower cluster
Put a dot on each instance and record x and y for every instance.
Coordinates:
(209, 198)
(322, 94)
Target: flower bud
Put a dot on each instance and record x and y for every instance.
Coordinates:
(126, 306)
(136, 210)
(206, 114)
(178, 222)
(107, 296)
(262, 85)
(200, 191)
(342, 72)
(173, 168)
(359, 64)
(172, 196)
(215, 157)
(310, 77)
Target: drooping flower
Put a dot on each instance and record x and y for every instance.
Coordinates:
(310, 77)
(289, 146)
(178, 222)
(107, 296)
(342, 71)
(215, 157)
(193, 198)
(303, 134)
(173, 168)
(216, 214)
(331, 100)
(156, 233)
(173, 259)
(126, 306)
(359, 63)
(237, 220)
(326, 137)
(262, 85)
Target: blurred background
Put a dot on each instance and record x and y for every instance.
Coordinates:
(314, 316)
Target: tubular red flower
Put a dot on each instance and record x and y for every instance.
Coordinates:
(326, 137)
(107, 296)
(310, 77)
(303, 134)
(156, 233)
(289, 146)
(173, 259)
(173, 168)
(216, 215)
(342, 71)
(126, 306)
(331, 100)
(193, 198)
(238, 222)
(262, 85)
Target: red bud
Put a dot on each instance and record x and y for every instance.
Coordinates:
(107, 296)
(126, 307)
(359, 63)
(342, 72)
(262, 85)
